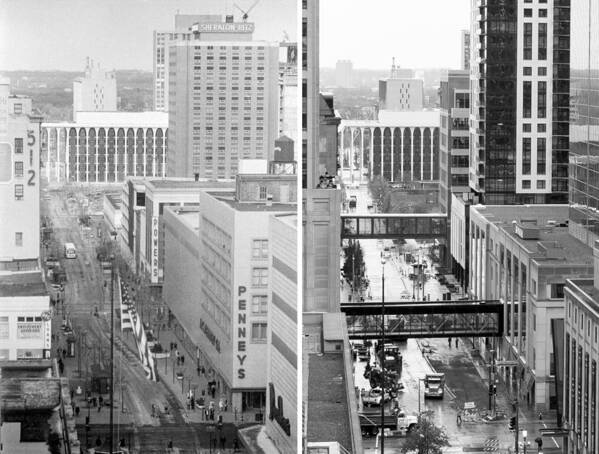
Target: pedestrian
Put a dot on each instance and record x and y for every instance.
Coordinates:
(153, 411)
(235, 445)
(459, 419)
(221, 404)
(449, 341)
(60, 366)
(72, 393)
(223, 441)
(64, 352)
(456, 342)
(77, 410)
(182, 360)
(100, 401)
(226, 404)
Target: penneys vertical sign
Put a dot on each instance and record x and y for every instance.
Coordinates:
(241, 346)
(154, 250)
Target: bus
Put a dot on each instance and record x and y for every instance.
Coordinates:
(69, 251)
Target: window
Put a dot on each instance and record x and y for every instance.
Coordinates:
(526, 155)
(542, 71)
(527, 99)
(542, 99)
(541, 184)
(18, 109)
(4, 328)
(525, 184)
(259, 277)
(259, 304)
(542, 13)
(18, 145)
(259, 332)
(18, 238)
(526, 127)
(262, 194)
(260, 249)
(527, 12)
(19, 191)
(18, 168)
(527, 71)
(528, 40)
(542, 41)
(541, 127)
(557, 291)
(541, 155)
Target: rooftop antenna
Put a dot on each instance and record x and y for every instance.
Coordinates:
(245, 15)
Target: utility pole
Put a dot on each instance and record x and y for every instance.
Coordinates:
(111, 352)
(382, 352)
(516, 402)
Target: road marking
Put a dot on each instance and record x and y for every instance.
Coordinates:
(556, 445)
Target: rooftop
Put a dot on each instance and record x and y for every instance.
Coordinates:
(117, 119)
(289, 219)
(328, 412)
(571, 249)
(22, 284)
(189, 184)
(188, 216)
(589, 292)
(229, 199)
(408, 119)
(114, 199)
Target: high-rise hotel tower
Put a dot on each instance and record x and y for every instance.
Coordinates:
(223, 100)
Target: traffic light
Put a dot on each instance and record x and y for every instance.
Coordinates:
(512, 424)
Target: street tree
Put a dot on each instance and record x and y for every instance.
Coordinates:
(379, 187)
(426, 438)
(354, 266)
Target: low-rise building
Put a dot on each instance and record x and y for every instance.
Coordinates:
(217, 276)
(522, 256)
(105, 147)
(581, 355)
(143, 203)
(25, 317)
(282, 370)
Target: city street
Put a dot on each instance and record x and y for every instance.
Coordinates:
(465, 374)
(86, 291)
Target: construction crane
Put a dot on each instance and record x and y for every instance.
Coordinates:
(246, 13)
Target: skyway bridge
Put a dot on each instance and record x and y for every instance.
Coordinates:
(425, 319)
(394, 226)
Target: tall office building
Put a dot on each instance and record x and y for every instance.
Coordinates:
(19, 181)
(519, 101)
(584, 129)
(182, 30)
(223, 100)
(343, 73)
(94, 92)
(288, 91)
(325, 410)
(454, 148)
(25, 328)
(465, 45)
(401, 91)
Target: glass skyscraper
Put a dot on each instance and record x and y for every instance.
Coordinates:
(584, 121)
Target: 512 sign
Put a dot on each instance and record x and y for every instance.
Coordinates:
(31, 142)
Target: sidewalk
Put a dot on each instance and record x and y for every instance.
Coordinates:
(467, 376)
(183, 378)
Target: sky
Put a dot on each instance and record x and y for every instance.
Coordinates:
(418, 33)
(60, 34)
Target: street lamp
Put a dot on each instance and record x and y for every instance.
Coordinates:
(382, 353)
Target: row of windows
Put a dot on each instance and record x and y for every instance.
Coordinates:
(526, 184)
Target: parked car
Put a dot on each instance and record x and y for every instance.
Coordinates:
(374, 397)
